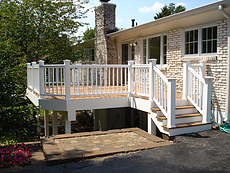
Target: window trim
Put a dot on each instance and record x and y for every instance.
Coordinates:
(88, 49)
(147, 49)
(199, 28)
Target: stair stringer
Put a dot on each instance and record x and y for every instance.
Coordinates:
(152, 116)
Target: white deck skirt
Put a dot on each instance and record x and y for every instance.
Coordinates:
(84, 104)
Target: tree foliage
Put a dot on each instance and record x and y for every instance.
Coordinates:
(90, 33)
(29, 31)
(168, 10)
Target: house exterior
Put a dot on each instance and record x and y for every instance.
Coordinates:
(142, 72)
(197, 34)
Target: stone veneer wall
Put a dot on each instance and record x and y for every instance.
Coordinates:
(138, 51)
(105, 48)
(174, 58)
(218, 69)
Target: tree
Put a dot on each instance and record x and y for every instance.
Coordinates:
(29, 30)
(168, 10)
(88, 34)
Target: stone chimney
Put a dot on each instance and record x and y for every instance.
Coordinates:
(104, 24)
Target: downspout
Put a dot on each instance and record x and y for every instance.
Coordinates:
(227, 115)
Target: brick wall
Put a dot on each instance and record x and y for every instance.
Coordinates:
(218, 69)
(174, 58)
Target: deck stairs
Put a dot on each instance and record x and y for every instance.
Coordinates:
(187, 119)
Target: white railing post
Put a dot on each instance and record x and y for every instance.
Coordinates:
(130, 78)
(185, 78)
(171, 103)
(41, 79)
(67, 79)
(28, 76)
(152, 63)
(203, 69)
(33, 77)
(207, 96)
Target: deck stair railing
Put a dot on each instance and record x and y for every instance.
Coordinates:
(197, 88)
(33, 77)
(163, 93)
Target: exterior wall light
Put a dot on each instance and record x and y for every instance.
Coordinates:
(133, 44)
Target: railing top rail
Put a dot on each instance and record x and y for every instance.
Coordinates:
(141, 65)
(196, 74)
(160, 74)
(97, 66)
(53, 66)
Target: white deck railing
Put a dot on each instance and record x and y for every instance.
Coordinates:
(197, 88)
(140, 80)
(98, 79)
(86, 80)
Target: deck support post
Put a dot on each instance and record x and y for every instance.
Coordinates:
(41, 79)
(151, 125)
(67, 127)
(130, 77)
(55, 123)
(152, 64)
(67, 79)
(46, 122)
(185, 78)
(207, 97)
(171, 103)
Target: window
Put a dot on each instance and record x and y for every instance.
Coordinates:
(209, 40)
(89, 54)
(164, 49)
(144, 51)
(155, 48)
(191, 42)
(133, 52)
(201, 40)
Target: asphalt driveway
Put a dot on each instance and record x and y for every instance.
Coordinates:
(207, 151)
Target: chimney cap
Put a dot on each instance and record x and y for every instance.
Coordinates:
(104, 0)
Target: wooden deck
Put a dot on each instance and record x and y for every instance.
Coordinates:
(92, 92)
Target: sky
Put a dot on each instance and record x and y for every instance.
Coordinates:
(142, 11)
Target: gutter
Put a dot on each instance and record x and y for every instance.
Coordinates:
(227, 114)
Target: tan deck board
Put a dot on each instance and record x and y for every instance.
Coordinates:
(57, 90)
(180, 116)
(186, 125)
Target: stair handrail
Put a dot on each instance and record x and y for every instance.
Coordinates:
(163, 93)
(197, 89)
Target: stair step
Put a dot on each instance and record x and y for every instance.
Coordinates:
(180, 116)
(177, 107)
(186, 125)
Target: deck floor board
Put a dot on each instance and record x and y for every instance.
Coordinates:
(88, 90)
